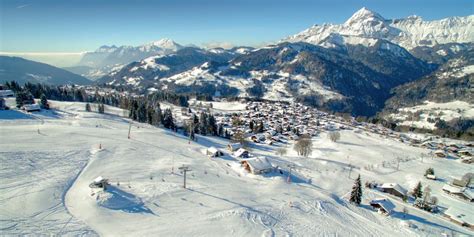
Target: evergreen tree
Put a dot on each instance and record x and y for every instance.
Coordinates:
(203, 126)
(101, 108)
(417, 191)
(157, 116)
(88, 107)
(141, 113)
(212, 126)
(356, 193)
(20, 95)
(44, 102)
(429, 171)
(168, 119)
(220, 130)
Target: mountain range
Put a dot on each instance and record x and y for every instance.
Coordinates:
(351, 67)
(354, 67)
(22, 71)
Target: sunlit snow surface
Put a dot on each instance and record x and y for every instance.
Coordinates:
(49, 158)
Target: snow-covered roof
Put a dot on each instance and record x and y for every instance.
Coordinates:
(239, 152)
(212, 150)
(386, 204)
(464, 215)
(98, 179)
(259, 163)
(31, 107)
(452, 189)
(395, 186)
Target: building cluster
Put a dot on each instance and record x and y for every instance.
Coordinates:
(264, 122)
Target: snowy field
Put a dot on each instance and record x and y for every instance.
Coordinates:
(431, 110)
(49, 158)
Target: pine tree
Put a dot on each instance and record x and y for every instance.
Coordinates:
(168, 119)
(203, 128)
(44, 102)
(417, 191)
(19, 98)
(429, 171)
(212, 126)
(356, 193)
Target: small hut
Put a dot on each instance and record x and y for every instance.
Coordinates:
(242, 153)
(99, 183)
(213, 152)
(382, 205)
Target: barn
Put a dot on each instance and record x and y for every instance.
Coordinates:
(394, 189)
(257, 165)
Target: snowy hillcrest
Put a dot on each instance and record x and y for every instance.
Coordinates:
(408, 33)
(105, 58)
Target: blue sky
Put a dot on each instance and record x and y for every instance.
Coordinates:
(84, 25)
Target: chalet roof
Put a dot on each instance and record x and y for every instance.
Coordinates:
(31, 107)
(259, 163)
(395, 186)
(452, 189)
(239, 152)
(464, 215)
(384, 203)
(212, 150)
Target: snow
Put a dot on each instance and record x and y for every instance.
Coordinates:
(408, 33)
(445, 111)
(46, 176)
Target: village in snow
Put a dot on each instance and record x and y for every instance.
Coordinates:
(276, 169)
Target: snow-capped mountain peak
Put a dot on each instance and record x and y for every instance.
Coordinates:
(408, 32)
(364, 15)
(165, 43)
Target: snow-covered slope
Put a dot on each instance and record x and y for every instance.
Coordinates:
(409, 32)
(45, 187)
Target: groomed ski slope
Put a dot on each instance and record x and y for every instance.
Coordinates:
(45, 183)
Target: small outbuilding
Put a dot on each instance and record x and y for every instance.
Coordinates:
(99, 183)
(242, 153)
(382, 205)
(31, 107)
(213, 152)
(257, 165)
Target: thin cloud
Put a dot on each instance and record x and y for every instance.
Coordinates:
(22, 6)
(224, 45)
